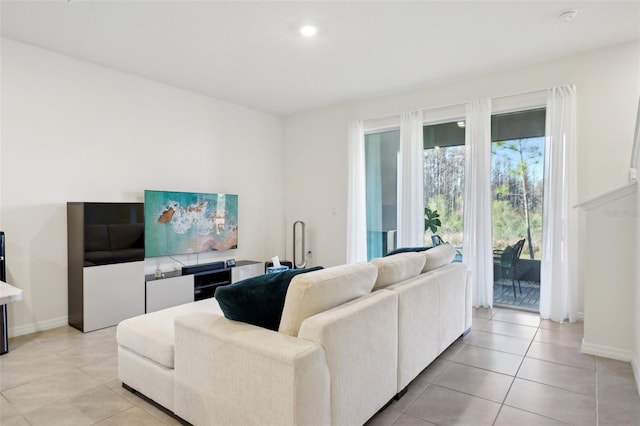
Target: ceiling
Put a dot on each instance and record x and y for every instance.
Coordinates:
(251, 53)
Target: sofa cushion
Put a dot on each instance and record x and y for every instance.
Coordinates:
(438, 256)
(258, 300)
(318, 291)
(406, 249)
(152, 335)
(399, 267)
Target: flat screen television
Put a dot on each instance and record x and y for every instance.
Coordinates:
(189, 222)
(113, 232)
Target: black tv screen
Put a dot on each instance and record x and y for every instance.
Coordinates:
(113, 233)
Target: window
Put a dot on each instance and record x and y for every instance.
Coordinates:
(381, 159)
(443, 183)
(517, 165)
(444, 179)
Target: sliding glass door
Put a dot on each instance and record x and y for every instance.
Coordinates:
(517, 169)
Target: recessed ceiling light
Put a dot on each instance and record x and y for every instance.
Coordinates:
(568, 15)
(308, 30)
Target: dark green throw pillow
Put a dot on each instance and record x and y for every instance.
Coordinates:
(258, 300)
(406, 249)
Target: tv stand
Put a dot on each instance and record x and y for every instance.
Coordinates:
(203, 267)
(205, 282)
(194, 282)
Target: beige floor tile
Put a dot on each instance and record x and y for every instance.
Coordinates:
(158, 413)
(517, 317)
(452, 350)
(414, 390)
(447, 407)
(104, 371)
(48, 390)
(510, 329)
(56, 332)
(560, 338)
(58, 414)
(618, 413)
(478, 323)
(562, 376)
(15, 421)
(385, 417)
(429, 373)
(548, 401)
(570, 327)
(497, 342)
(89, 352)
(133, 416)
(510, 416)
(19, 371)
(407, 420)
(135, 399)
(499, 362)
(475, 381)
(99, 403)
(485, 313)
(611, 368)
(61, 343)
(7, 412)
(619, 402)
(561, 355)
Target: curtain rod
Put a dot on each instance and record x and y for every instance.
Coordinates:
(443, 107)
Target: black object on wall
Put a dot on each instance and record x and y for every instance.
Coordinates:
(4, 337)
(3, 270)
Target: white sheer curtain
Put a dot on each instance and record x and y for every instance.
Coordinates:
(410, 181)
(477, 252)
(356, 196)
(558, 268)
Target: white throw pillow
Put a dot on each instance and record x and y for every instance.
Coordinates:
(397, 267)
(318, 291)
(438, 256)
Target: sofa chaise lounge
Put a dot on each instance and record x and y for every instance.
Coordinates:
(351, 337)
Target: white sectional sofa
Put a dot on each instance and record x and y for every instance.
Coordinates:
(351, 337)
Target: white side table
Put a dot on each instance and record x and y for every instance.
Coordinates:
(8, 294)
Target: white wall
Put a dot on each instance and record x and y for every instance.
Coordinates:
(74, 131)
(609, 314)
(608, 87)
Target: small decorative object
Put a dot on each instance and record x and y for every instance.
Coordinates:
(231, 262)
(276, 269)
(158, 273)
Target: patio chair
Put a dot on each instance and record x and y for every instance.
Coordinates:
(508, 262)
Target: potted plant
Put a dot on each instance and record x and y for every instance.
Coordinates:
(431, 220)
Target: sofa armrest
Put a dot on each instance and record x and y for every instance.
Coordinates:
(360, 341)
(228, 372)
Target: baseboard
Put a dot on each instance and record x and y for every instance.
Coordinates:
(636, 370)
(606, 351)
(21, 330)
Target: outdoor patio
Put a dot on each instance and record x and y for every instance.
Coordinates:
(528, 300)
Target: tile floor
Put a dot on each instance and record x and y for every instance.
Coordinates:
(512, 369)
